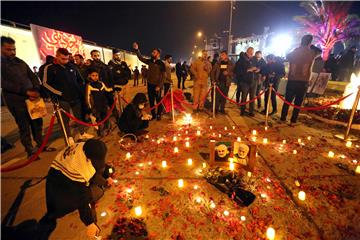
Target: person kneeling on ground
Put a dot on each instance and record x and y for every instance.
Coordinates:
(76, 180)
(133, 119)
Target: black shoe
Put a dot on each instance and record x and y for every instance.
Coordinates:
(273, 112)
(222, 111)
(251, 114)
(263, 112)
(158, 117)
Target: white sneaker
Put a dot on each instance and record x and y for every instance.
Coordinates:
(85, 136)
(71, 140)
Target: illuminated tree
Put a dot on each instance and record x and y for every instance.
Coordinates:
(329, 22)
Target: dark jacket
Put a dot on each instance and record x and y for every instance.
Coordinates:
(130, 120)
(273, 72)
(217, 72)
(241, 70)
(347, 60)
(64, 82)
(121, 73)
(156, 72)
(104, 72)
(96, 96)
(178, 69)
(16, 79)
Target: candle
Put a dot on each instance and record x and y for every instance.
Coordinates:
(212, 204)
(187, 118)
(158, 141)
(294, 152)
(249, 174)
(129, 190)
(103, 214)
(128, 155)
(149, 163)
(263, 195)
(253, 139)
(242, 218)
(284, 141)
(233, 127)
(231, 166)
(297, 183)
(187, 144)
(198, 133)
(302, 195)
(299, 140)
(226, 213)
(198, 200)
(348, 144)
(225, 128)
(238, 139)
(254, 132)
(138, 211)
(357, 170)
(219, 135)
(204, 165)
(147, 136)
(331, 154)
(211, 127)
(163, 164)
(265, 140)
(141, 164)
(309, 138)
(180, 183)
(174, 138)
(137, 173)
(270, 233)
(115, 181)
(196, 187)
(266, 128)
(189, 161)
(176, 149)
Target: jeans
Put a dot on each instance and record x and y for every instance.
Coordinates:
(247, 89)
(154, 96)
(220, 101)
(259, 87)
(25, 125)
(272, 97)
(294, 90)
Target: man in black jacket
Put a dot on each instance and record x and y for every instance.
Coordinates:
(259, 62)
(18, 84)
(156, 77)
(67, 88)
(245, 75)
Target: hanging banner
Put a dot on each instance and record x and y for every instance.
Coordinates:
(49, 40)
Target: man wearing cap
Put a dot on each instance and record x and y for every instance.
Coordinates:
(201, 69)
(75, 181)
(156, 76)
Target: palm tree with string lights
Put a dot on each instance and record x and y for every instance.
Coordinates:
(329, 22)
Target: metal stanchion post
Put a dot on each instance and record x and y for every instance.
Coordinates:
(268, 105)
(214, 99)
(58, 113)
(172, 102)
(348, 127)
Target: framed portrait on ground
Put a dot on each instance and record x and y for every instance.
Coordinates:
(312, 80)
(243, 154)
(321, 83)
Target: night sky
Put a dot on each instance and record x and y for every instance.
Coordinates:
(171, 26)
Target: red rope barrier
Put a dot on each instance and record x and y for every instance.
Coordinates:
(239, 104)
(124, 100)
(311, 108)
(92, 124)
(192, 104)
(33, 157)
(158, 104)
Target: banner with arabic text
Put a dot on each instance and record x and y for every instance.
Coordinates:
(49, 40)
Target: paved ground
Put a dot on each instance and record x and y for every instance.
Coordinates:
(331, 209)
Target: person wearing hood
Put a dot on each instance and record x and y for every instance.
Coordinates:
(245, 72)
(156, 75)
(134, 119)
(75, 181)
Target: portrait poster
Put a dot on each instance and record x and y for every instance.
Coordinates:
(321, 83)
(313, 77)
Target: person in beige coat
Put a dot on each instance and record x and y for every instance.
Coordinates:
(201, 69)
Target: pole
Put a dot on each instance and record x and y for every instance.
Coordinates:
(268, 105)
(230, 27)
(58, 113)
(214, 100)
(356, 102)
(172, 103)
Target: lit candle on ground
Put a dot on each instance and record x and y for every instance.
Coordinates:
(263, 195)
(302, 195)
(198, 200)
(238, 139)
(149, 163)
(187, 144)
(284, 141)
(158, 141)
(141, 164)
(219, 135)
(163, 164)
(128, 155)
(357, 170)
(196, 187)
(231, 166)
(189, 161)
(174, 138)
(180, 183)
(198, 132)
(233, 127)
(204, 165)
(138, 211)
(116, 181)
(226, 213)
(299, 140)
(129, 190)
(188, 118)
(211, 127)
(225, 128)
(103, 214)
(270, 233)
(309, 138)
(147, 136)
(254, 132)
(297, 183)
(249, 174)
(176, 149)
(253, 139)
(242, 218)
(137, 173)
(212, 204)
(294, 152)
(265, 140)
(348, 144)
(331, 154)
